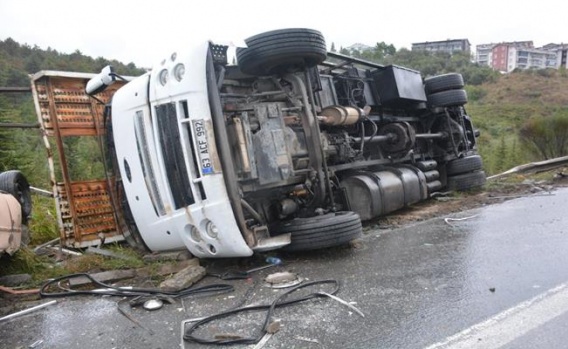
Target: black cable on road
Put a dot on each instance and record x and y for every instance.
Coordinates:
(277, 303)
(110, 290)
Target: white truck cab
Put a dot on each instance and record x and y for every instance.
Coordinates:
(166, 152)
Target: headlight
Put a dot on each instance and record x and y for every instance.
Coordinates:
(195, 235)
(179, 71)
(212, 230)
(163, 77)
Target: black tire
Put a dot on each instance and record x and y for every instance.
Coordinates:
(452, 81)
(464, 165)
(448, 98)
(280, 51)
(14, 182)
(332, 229)
(467, 181)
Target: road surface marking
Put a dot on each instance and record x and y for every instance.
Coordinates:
(512, 323)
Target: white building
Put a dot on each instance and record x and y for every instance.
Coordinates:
(508, 56)
(526, 58)
(483, 53)
(561, 54)
(450, 46)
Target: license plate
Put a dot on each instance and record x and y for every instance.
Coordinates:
(202, 146)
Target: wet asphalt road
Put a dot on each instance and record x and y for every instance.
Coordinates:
(422, 286)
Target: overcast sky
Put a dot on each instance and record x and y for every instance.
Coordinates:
(145, 32)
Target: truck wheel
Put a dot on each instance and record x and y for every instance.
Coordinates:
(444, 82)
(332, 229)
(464, 165)
(448, 98)
(14, 183)
(467, 181)
(283, 50)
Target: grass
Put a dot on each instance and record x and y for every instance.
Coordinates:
(41, 268)
(43, 223)
(43, 227)
(25, 261)
(500, 109)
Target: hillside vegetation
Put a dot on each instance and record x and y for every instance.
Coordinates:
(22, 148)
(523, 117)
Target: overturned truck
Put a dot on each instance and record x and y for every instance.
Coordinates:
(290, 148)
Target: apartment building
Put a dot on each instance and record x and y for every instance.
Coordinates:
(449, 46)
(483, 54)
(561, 54)
(522, 58)
(508, 56)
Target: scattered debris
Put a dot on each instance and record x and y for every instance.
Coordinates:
(357, 244)
(107, 253)
(142, 300)
(503, 197)
(42, 192)
(47, 244)
(115, 275)
(274, 326)
(59, 287)
(282, 280)
(268, 325)
(36, 344)
(27, 311)
(15, 280)
(168, 256)
(272, 261)
(105, 276)
(439, 194)
(66, 251)
(184, 278)
(448, 220)
(227, 336)
(153, 304)
(18, 292)
(347, 304)
(307, 339)
(263, 340)
(270, 329)
(236, 275)
(444, 198)
(132, 318)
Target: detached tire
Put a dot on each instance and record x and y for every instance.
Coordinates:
(444, 82)
(281, 51)
(464, 165)
(332, 229)
(448, 98)
(467, 181)
(14, 183)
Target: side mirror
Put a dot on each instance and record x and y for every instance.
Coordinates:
(101, 81)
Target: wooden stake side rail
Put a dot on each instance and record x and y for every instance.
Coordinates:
(85, 210)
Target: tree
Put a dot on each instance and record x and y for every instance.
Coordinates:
(23, 149)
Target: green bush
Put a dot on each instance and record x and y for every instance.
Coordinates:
(546, 137)
(475, 93)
